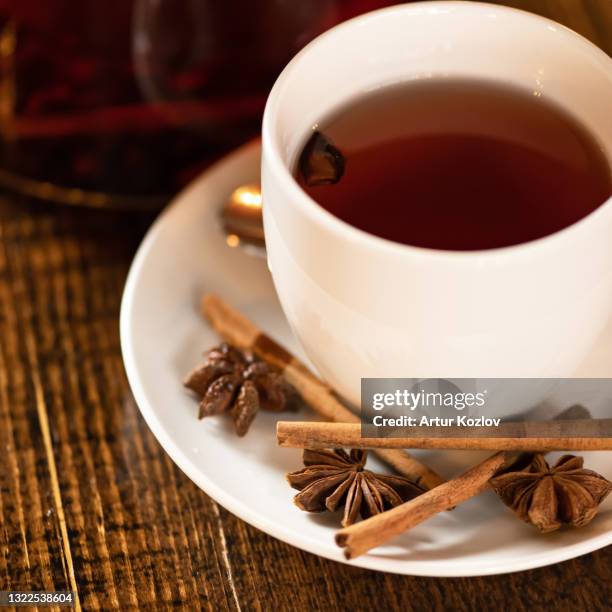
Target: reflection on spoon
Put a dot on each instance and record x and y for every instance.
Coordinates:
(242, 221)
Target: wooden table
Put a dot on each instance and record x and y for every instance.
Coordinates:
(90, 502)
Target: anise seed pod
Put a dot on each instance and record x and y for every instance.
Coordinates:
(231, 380)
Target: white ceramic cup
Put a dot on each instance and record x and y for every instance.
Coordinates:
(362, 306)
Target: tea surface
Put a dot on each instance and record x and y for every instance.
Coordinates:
(460, 165)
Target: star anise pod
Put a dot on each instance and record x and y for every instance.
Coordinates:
(335, 478)
(549, 497)
(235, 381)
(321, 163)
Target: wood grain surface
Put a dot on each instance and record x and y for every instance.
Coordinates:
(90, 502)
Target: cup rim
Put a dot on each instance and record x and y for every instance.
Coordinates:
(341, 229)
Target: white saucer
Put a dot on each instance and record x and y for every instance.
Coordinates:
(163, 337)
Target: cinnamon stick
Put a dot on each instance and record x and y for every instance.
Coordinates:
(362, 537)
(533, 436)
(237, 329)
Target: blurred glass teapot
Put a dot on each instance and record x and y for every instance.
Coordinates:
(121, 103)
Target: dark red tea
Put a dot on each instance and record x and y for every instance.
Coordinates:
(455, 164)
